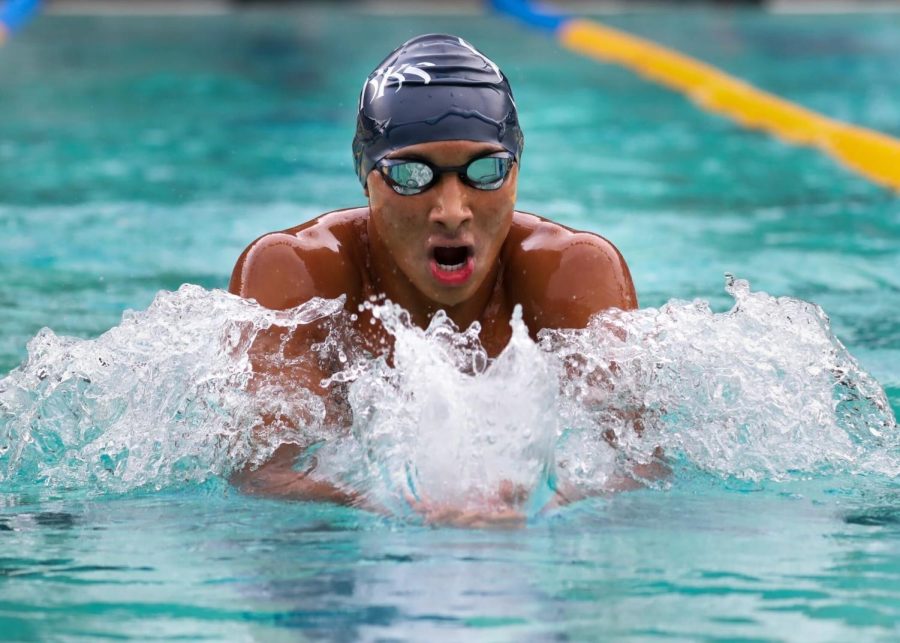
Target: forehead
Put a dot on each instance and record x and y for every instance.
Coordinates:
(446, 152)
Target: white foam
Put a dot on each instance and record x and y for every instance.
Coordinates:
(763, 391)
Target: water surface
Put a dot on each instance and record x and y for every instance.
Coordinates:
(140, 154)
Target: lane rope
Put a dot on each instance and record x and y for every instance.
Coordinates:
(872, 154)
(14, 14)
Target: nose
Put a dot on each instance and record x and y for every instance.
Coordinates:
(450, 207)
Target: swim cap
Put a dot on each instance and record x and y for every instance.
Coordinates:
(434, 87)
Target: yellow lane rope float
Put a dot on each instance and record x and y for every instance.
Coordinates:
(872, 154)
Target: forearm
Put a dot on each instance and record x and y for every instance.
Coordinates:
(277, 478)
(291, 485)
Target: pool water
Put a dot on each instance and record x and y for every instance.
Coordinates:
(138, 154)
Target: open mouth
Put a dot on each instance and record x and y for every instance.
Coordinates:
(449, 259)
(452, 265)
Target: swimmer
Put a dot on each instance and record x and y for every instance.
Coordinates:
(437, 151)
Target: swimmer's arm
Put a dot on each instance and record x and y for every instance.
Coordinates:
(579, 274)
(282, 270)
(280, 273)
(277, 478)
(590, 276)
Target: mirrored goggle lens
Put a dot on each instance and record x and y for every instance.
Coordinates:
(410, 177)
(413, 177)
(489, 172)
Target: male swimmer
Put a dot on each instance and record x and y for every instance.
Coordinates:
(437, 150)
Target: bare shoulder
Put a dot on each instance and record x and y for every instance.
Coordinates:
(563, 276)
(319, 258)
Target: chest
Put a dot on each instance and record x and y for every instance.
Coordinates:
(372, 336)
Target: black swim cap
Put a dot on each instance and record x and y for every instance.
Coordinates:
(434, 87)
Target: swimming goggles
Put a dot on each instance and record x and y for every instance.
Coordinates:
(409, 177)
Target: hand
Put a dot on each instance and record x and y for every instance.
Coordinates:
(639, 475)
(499, 511)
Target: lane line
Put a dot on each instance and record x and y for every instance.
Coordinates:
(872, 154)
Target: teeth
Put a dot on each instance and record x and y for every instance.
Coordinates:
(451, 267)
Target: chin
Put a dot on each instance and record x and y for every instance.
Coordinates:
(449, 300)
(449, 296)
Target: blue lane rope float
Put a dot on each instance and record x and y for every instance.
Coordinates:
(14, 14)
(872, 154)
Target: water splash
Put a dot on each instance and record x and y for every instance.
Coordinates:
(444, 424)
(159, 400)
(763, 391)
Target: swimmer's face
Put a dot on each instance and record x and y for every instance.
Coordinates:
(446, 240)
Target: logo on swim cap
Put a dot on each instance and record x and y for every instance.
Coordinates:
(450, 91)
(382, 76)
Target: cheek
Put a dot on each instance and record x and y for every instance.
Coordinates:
(397, 229)
(499, 214)
(395, 218)
(502, 204)
(395, 221)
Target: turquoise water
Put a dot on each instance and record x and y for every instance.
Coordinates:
(140, 154)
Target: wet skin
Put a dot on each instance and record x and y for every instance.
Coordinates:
(396, 247)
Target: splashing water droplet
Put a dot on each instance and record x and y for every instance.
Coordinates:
(763, 391)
